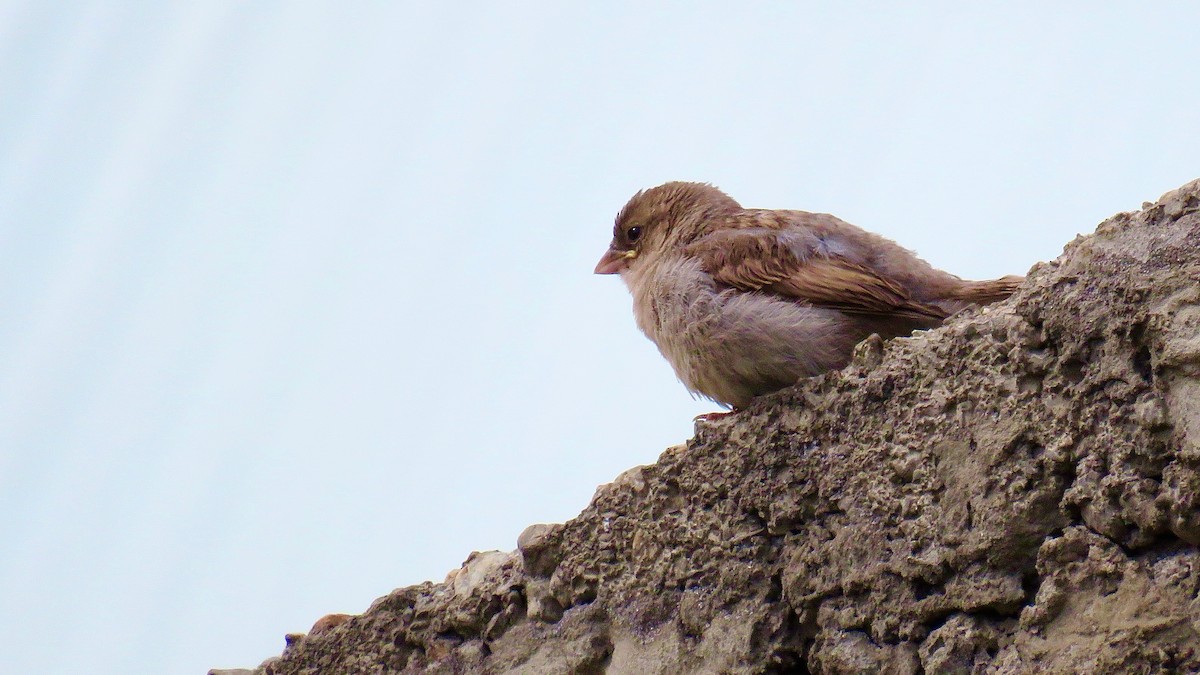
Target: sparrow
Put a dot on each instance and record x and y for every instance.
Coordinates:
(744, 302)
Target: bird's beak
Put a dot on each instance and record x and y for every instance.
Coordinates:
(613, 261)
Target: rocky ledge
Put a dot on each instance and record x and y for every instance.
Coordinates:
(1017, 491)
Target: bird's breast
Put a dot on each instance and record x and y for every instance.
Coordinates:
(679, 307)
(731, 345)
(671, 299)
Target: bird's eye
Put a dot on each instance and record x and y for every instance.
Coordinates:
(634, 234)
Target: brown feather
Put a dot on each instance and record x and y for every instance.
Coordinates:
(762, 262)
(986, 292)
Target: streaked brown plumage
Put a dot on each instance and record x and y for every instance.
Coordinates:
(743, 302)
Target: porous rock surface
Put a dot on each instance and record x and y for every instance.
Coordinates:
(1018, 491)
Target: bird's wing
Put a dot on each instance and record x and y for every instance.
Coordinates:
(794, 266)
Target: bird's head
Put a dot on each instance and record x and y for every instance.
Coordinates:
(661, 218)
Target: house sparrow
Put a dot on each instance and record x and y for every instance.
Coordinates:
(743, 302)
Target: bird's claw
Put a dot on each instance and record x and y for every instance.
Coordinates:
(715, 416)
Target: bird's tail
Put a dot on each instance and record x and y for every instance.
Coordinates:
(986, 292)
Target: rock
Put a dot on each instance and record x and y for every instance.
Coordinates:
(1017, 491)
(328, 623)
(540, 547)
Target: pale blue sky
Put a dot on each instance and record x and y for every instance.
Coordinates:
(296, 302)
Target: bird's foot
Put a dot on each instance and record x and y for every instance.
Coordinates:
(714, 416)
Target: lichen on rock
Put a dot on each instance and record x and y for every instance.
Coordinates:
(1017, 491)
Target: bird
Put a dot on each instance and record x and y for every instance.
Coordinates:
(744, 302)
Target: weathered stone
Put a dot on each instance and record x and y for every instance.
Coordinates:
(540, 547)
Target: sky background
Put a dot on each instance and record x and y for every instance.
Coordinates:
(296, 298)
